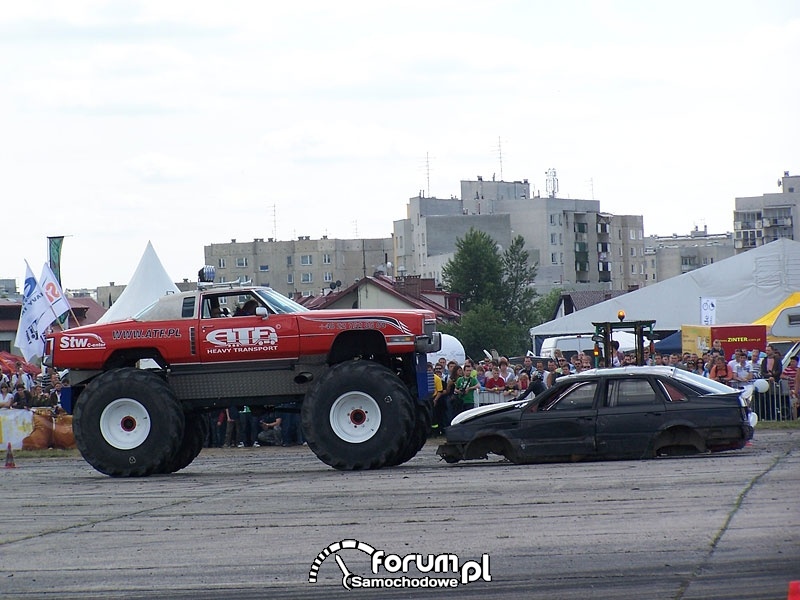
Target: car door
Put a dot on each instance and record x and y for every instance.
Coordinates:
(564, 425)
(632, 412)
(246, 337)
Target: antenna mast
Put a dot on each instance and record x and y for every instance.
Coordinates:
(552, 183)
(500, 155)
(428, 173)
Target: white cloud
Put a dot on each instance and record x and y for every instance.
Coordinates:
(188, 123)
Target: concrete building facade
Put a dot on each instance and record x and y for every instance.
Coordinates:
(670, 256)
(758, 220)
(570, 240)
(303, 266)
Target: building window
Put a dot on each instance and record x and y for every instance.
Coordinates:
(290, 278)
(305, 260)
(633, 234)
(633, 251)
(306, 278)
(263, 268)
(221, 263)
(553, 258)
(326, 259)
(328, 277)
(553, 238)
(241, 261)
(288, 261)
(306, 293)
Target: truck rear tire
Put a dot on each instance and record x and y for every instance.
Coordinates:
(358, 416)
(128, 423)
(194, 435)
(419, 434)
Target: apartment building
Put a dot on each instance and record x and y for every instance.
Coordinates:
(758, 220)
(303, 266)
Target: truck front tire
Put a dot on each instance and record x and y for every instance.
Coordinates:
(359, 416)
(128, 423)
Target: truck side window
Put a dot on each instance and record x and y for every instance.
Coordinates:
(187, 310)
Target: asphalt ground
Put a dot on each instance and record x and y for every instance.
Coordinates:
(255, 522)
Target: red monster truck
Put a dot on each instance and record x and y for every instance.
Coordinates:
(357, 377)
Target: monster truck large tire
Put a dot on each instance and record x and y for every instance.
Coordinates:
(419, 435)
(194, 435)
(358, 416)
(127, 423)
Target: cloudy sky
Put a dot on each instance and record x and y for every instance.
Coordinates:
(187, 123)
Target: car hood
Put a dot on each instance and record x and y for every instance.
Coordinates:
(473, 413)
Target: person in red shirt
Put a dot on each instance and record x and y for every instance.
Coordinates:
(495, 383)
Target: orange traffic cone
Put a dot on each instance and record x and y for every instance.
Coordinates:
(794, 590)
(9, 457)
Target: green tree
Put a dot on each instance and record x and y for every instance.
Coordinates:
(475, 271)
(518, 276)
(545, 307)
(482, 328)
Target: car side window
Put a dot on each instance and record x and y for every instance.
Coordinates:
(630, 392)
(579, 396)
(674, 394)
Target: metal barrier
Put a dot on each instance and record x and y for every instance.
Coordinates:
(483, 397)
(772, 405)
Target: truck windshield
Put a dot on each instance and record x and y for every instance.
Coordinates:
(279, 303)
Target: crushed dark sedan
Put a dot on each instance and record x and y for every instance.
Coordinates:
(628, 412)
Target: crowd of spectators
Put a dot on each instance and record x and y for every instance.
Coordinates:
(21, 390)
(455, 385)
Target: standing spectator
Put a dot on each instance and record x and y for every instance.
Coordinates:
(466, 385)
(506, 372)
(771, 366)
(788, 388)
(439, 401)
(741, 372)
(755, 363)
(231, 425)
(20, 376)
(719, 371)
(495, 383)
(527, 366)
(248, 427)
(481, 375)
(54, 398)
(716, 349)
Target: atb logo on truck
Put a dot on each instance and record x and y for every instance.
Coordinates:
(242, 339)
(81, 341)
(409, 571)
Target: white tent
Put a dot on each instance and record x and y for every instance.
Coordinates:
(744, 287)
(149, 282)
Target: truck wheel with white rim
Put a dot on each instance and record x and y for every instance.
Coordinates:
(128, 423)
(358, 416)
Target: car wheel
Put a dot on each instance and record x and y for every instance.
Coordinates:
(678, 441)
(419, 435)
(127, 423)
(358, 416)
(194, 434)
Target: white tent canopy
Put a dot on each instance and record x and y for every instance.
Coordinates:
(149, 282)
(744, 287)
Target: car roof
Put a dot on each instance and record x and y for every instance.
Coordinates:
(688, 377)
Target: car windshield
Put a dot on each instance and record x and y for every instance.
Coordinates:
(698, 381)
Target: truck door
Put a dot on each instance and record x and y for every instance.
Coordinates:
(226, 336)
